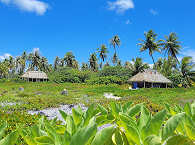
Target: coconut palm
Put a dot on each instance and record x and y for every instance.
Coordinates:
(84, 66)
(138, 66)
(115, 41)
(172, 45)
(44, 66)
(69, 59)
(93, 62)
(103, 50)
(34, 59)
(115, 58)
(4, 69)
(56, 63)
(11, 64)
(150, 43)
(128, 65)
(75, 64)
(187, 70)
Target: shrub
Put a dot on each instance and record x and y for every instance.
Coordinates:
(106, 80)
(118, 71)
(128, 124)
(177, 79)
(70, 75)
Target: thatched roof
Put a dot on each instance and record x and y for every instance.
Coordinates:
(35, 75)
(151, 76)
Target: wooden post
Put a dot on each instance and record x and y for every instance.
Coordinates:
(144, 84)
(166, 85)
(152, 85)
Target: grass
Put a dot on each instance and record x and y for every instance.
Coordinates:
(43, 95)
(38, 96)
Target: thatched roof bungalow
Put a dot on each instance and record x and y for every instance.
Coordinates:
(35, 76)
(149, 78)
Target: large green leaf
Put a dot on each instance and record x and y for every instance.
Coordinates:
(85, 134)
(63, 114)
(91, 112)
(144, 117)
(187, 109)
(152, 140)
(179, 140)
(10, 139)
(190, 130)
(103, 136)
(126, 106)
(171, 125)
(70, 125)
(115, 109)
(125, 140)
(155, 124)
(2, 129)
(127, 120)
(77, 117)
(118, 140)
(131, 132)
(35, 131)
(53, 134)
(44, 140)
(134, 110)
(102, 110)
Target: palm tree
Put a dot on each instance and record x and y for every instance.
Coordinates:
(34, 59)
(23, 60)
(93, 62)
(84, 66)
(44, 66)
(4, 69)
(168, 66)
(103, 50)
(138, 66)
(56, 63)
(75, 64)
(115, 41)
(150, 44)
(128, 65)
(172, 45)
(115, 58)
(69, 59)
(187, 71)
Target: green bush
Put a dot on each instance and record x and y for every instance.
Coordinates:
(128, 124)
(118, 71)
(106, 80)
(177, 79)
(70, 75)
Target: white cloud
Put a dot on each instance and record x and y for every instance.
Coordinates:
(189, 52)
(36, 49)
(151, 66)
(36, 6)
(153, 12)
(128, 22)
(121, 5)
(4, 56)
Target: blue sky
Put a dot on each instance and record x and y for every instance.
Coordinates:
(59, 26)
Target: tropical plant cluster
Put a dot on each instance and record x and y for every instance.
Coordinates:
(127, 124)
(101, 66)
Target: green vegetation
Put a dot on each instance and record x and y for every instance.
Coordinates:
(130, 124)
(153, 123)
(103, 68)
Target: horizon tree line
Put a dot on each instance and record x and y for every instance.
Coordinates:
(167, 65)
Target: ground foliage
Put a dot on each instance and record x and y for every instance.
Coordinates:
(129, 124)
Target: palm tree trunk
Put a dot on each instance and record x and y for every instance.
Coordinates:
(153, 62)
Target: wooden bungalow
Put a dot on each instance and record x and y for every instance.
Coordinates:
(35, 76)
(149, 79)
